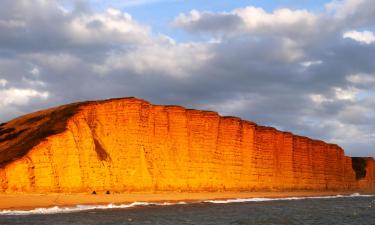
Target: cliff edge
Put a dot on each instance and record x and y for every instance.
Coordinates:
(129, 144)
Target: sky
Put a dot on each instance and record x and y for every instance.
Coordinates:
(298, 65)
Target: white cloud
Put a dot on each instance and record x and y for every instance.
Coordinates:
(361, 78)
(174, 60)
(311, 63)
(16, 96)
(184, 20)
(341, 94)
(345, 94)
(3, 82)
(35, 71)
(109, 26)
(366, 37)
(256, 18)
(319, 98)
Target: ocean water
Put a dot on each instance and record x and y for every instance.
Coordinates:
(342, 210)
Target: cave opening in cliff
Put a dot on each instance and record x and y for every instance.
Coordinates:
(359, 166)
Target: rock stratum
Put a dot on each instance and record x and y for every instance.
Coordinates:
(129, 144)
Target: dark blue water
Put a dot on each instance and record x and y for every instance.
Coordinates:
(358, 210)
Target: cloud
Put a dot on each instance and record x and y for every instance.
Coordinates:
(47, 26)
(112, 26)
(197, 21)
(128, 3)
(311, 63)
(289, 68)
(248, 19)
(366, 37)
(15, 96)
(171, 60)
(361, 78)
(345, 94)
(346, 8)
(3, 82)
(352, 13)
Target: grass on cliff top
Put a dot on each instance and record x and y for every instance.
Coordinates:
(20, 135)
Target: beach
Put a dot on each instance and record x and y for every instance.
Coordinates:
(32, 201)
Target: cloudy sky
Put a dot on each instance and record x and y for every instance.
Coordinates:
(299, 65)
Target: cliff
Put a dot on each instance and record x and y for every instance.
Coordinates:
(131, 145)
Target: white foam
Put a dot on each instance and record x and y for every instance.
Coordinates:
(238, 200)
(78, 208)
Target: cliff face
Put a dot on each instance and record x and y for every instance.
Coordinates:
(131, 145)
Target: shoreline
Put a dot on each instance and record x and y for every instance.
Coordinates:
(22, 201)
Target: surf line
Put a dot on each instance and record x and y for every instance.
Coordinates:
(79, 208)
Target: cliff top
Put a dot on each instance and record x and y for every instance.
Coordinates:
(21, 134)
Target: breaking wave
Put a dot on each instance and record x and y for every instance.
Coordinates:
(238, 200)
(79, 208)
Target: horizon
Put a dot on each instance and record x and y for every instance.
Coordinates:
(299, 66)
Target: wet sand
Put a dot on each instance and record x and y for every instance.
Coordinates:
(31, 201)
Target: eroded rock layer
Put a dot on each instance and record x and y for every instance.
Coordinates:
(131, 145)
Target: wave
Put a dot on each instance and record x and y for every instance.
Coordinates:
(239, 200)
(79, 208)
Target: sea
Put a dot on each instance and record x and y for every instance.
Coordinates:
(354, 209)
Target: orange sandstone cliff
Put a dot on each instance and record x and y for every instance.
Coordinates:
(131, 145)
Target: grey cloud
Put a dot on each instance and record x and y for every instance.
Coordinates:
(210, 22)
(353, 13)
(34, 26)
(259, 77)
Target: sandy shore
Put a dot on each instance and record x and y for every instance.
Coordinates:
(31, 201)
